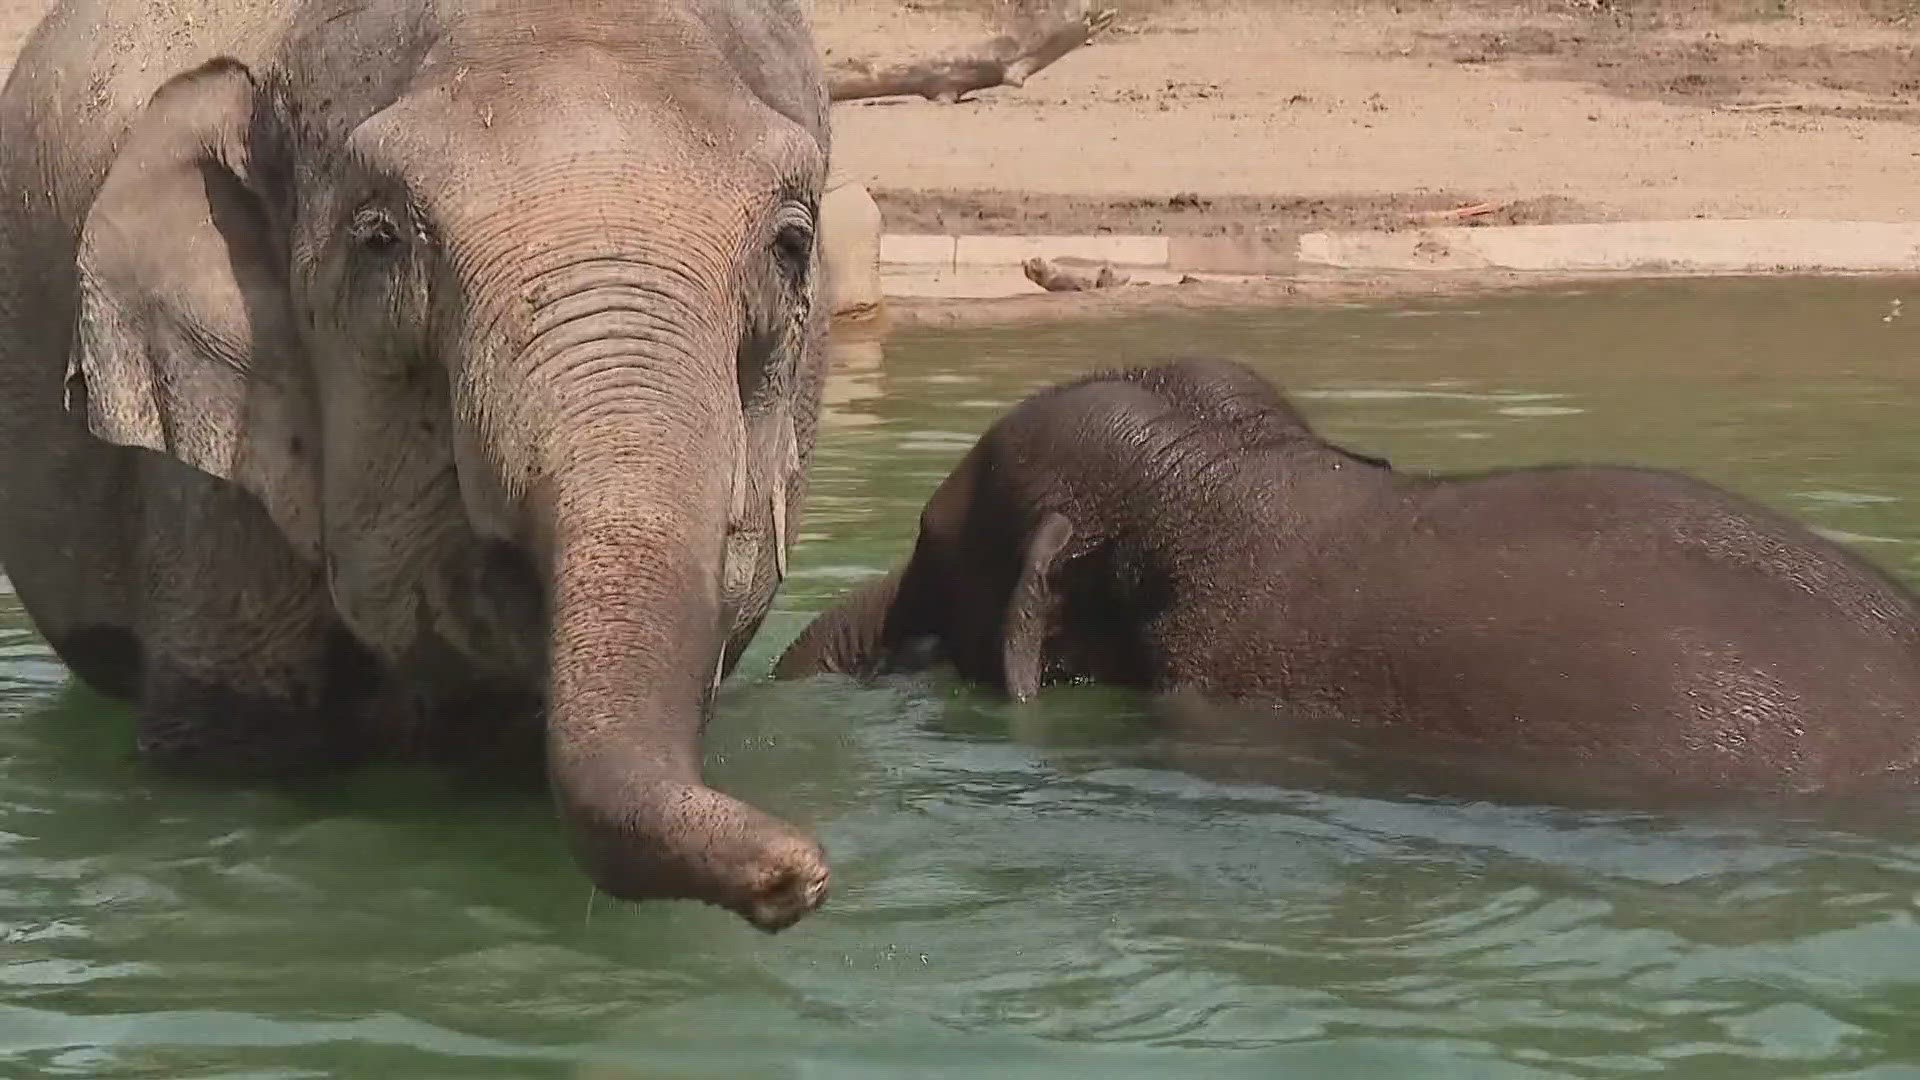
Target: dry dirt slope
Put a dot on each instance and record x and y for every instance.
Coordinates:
(1582, 113)
(1202, 117)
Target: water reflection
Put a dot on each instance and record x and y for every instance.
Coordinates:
(858, 358)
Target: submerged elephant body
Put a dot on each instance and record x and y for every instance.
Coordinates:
(1180, 527)
(362, 361)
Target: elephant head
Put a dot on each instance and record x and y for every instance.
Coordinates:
(979, 590)
(505, 312)
(1050, 549)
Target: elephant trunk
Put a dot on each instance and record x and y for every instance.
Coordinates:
(854, 637)
(637, 490)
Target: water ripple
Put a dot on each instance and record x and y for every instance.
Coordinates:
(1046, 890)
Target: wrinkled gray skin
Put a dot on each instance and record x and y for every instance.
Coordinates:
(1180, 528)
(362, 361)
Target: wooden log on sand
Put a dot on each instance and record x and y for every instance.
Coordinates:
(1042, 32)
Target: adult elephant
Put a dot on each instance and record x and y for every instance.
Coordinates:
(1179, 527)
(360, 356)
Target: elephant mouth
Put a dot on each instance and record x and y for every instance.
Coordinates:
(916, 653)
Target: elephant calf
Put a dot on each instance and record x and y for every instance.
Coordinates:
(1181, 527)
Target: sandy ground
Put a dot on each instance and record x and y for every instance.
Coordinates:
(1311, 115)
(1252, 116)
(1249, 116)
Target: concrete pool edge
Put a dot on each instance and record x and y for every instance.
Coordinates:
(1696, 245)
(953, 267)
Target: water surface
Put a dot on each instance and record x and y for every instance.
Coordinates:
(1044, 890)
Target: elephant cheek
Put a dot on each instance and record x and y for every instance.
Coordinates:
(741, 575)
(917, 653)
(489, 512)
(755, 560)
(751, 572)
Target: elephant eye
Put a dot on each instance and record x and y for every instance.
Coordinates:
(793, 237)
(374, 230)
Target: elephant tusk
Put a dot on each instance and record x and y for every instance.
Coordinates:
(789, 468)
(719, 668)
(737, 564)
(737, 511)
(779, 508)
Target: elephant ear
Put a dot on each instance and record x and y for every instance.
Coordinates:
(184, 341)
(1032, 607)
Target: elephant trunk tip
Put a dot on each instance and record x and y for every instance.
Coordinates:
(684, 841)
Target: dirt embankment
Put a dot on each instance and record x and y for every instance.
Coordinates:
(1224, 117)
(1260, 116)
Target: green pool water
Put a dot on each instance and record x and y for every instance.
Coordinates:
(1041, 891)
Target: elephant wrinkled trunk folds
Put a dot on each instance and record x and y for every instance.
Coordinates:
(633, 519)
(629, 634)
